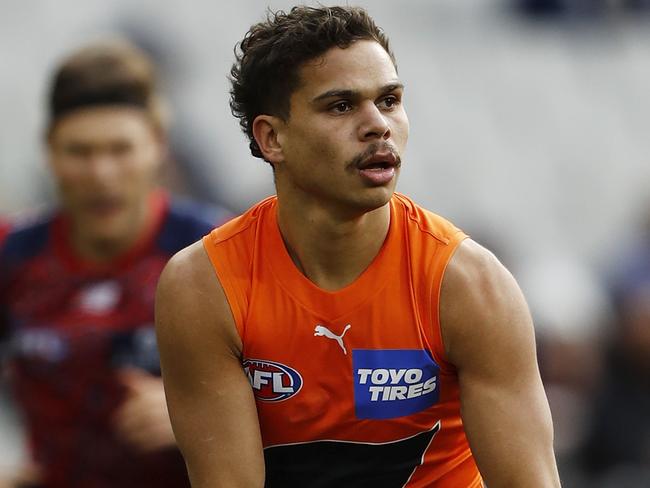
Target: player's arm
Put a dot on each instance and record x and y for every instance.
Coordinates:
(488, 335)
(209, 397)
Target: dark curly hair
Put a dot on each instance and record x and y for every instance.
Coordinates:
(268, 59)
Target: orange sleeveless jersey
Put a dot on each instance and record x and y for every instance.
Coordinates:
(352, 387)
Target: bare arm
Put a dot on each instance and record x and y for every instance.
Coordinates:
(210, 401)
(489, 337)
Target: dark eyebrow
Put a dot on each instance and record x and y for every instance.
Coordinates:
(351, 94)
(392, 87)
(336, 94)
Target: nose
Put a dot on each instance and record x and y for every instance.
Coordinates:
(102, 167)
(373, 124)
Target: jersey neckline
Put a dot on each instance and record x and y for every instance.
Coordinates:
(333, 304)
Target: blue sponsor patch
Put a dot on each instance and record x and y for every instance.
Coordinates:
(394, 382)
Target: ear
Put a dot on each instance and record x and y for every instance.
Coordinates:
(265, 132)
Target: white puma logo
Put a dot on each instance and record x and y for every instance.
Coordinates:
(321, 330)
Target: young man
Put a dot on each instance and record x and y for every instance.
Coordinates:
(77, 287)
(338, 334)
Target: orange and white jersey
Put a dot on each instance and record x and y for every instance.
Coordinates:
(352, 387)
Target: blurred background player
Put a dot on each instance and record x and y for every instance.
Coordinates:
(616, 450)
(77, 286)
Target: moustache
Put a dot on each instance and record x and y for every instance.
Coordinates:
(374, 148)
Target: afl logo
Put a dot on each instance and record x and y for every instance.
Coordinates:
(271, 381)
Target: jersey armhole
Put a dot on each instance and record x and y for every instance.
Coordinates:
(441, 263)
(234, 295)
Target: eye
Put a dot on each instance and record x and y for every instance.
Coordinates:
(388, 102)
(341, 107)
(77, 150)
(120, 148)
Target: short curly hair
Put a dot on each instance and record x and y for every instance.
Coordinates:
(268, 59)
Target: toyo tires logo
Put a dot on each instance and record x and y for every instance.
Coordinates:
(391, 383)
(271, 381)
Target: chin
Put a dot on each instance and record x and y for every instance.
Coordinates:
(374, 199)
(109, 229)
(107, 238)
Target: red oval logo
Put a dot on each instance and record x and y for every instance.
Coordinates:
(271, 381)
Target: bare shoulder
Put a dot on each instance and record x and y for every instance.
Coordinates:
(489, 337)
(190, 302)
(200, 358)
(481, 305)
(189, 263)
(474, 273)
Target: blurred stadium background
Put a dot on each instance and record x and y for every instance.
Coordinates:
(528, 130)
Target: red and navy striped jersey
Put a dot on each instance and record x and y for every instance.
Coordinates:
(70, 326)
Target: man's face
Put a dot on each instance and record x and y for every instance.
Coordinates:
(105, 161)
(346, 131)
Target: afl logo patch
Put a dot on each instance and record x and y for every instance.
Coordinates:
(271, 381)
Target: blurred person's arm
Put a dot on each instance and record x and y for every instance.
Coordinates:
(488, 335)
(142, 420)
(26, 476)
(15, 472)
(210, 400)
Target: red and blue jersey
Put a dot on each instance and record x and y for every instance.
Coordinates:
(70, 326)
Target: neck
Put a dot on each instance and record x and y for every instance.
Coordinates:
(331, 249)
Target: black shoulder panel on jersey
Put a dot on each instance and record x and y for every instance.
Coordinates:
(323, 464)
(187, 222)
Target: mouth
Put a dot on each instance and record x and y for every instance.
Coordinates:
(104, 206)
(379, 161)
(379, 168)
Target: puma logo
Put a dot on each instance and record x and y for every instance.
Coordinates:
(321, 330)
